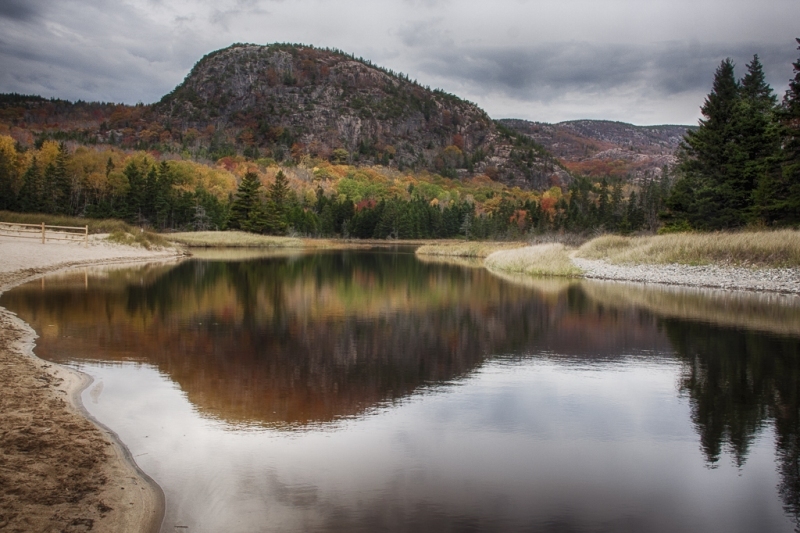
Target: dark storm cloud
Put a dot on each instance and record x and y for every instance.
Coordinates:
(19, 10)
(545, 71)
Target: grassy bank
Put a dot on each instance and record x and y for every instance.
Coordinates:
(233, 239)
(466, 249)
(765, 249)
(540, 260)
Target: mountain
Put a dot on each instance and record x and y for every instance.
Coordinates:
(283, 100)
(604, 148)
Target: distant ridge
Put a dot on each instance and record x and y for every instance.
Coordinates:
(606, 148)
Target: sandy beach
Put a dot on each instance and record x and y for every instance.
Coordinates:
(60, 471)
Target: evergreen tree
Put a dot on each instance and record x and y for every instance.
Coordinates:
(134, 199)
(713, 193)
(246, 203)
(61, 184)
(164, 200)
(31, 195)
(275, 219)
(777, 196)
(759, 138)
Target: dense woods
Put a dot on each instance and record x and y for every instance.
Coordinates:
(314, 198)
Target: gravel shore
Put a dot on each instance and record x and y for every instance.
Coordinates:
(782, 280)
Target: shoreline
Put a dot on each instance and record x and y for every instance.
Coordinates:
(60, 469)
(762, 280)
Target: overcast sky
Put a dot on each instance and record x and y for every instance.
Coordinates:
(639, 61)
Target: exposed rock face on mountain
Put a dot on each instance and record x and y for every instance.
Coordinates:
(602, 148)
(281, 99)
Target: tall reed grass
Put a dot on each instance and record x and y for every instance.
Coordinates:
(233, 239)
(466, 249)
(540, 260)
(773, 249)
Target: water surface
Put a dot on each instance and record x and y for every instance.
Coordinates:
(369, 391)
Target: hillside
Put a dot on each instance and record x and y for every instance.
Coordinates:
(603, 148)
(282, 99)
(285, 102)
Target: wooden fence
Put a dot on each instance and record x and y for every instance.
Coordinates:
(45, 232)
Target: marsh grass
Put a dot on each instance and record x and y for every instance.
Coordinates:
(145, 239)
(540, 260)
(466, 249)
(772, 249)
(233, 239)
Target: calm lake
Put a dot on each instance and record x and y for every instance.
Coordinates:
(372, 391)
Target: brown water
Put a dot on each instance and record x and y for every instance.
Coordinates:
(369, 391)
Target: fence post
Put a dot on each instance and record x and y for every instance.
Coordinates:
(42, 232)
(86, 237)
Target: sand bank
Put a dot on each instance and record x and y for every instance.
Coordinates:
(60, 470)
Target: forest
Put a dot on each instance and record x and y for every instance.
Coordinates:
(740, 167)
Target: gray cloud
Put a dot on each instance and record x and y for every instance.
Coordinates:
(19, 10)
(546, 70)
(538, 60)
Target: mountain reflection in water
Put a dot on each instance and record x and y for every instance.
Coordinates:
(303, 341)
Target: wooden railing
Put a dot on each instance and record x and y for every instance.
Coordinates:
(45, 232)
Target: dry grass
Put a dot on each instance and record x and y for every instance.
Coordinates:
(540, 260)
(145, 239)
(233, 239)
(773, 249)
(466, 249)
(95, 225)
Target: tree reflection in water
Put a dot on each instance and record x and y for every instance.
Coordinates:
(738, 381)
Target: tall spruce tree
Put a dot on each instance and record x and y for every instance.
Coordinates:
(790, 122)
(711, 192)
(247, 204)
(759, 139)
(62, 183)
(777, 195)
(31, 195)
(276, 208)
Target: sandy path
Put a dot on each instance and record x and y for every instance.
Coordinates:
(60, 471)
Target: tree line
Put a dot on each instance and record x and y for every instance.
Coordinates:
(168, 196)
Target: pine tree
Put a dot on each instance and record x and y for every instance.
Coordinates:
(712, 194)
(276, 208)
(134, 199)
(32, 192)
(61, 183)
(777, 196)
(759, 138)
(164, 198)
(790, 121)
(246, 202)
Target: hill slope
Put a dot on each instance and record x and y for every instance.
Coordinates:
(282, 99)
(601, 148)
